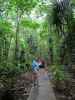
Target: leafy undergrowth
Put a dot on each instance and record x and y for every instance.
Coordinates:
(63, 83)
(17, 87)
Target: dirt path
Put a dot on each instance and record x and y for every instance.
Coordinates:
(44, 91)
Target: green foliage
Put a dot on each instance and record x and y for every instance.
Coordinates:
(71, 23)
(58, 72)
(5, 28)
(23, 43)
(30, 24)
(28, 36)
(61, 21)
(23, 5)
(18, 27)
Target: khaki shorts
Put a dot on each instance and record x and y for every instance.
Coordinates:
(34, 75)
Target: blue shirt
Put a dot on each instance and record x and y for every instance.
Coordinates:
(35, 65)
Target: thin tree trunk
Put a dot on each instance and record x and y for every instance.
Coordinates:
(18, 18)
(16, 41)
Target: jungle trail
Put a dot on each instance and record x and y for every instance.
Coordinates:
(37, 49)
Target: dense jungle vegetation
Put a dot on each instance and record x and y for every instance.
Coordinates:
(35, 28)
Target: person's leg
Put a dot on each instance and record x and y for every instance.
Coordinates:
(36, 83)
(34, 79)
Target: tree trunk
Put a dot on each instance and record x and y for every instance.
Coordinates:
(18, 18)
(16, 41)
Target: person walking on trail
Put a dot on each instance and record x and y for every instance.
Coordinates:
(41, 67)
(41, 63)
(35, 69)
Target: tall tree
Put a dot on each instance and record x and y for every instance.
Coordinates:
(21, 7)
